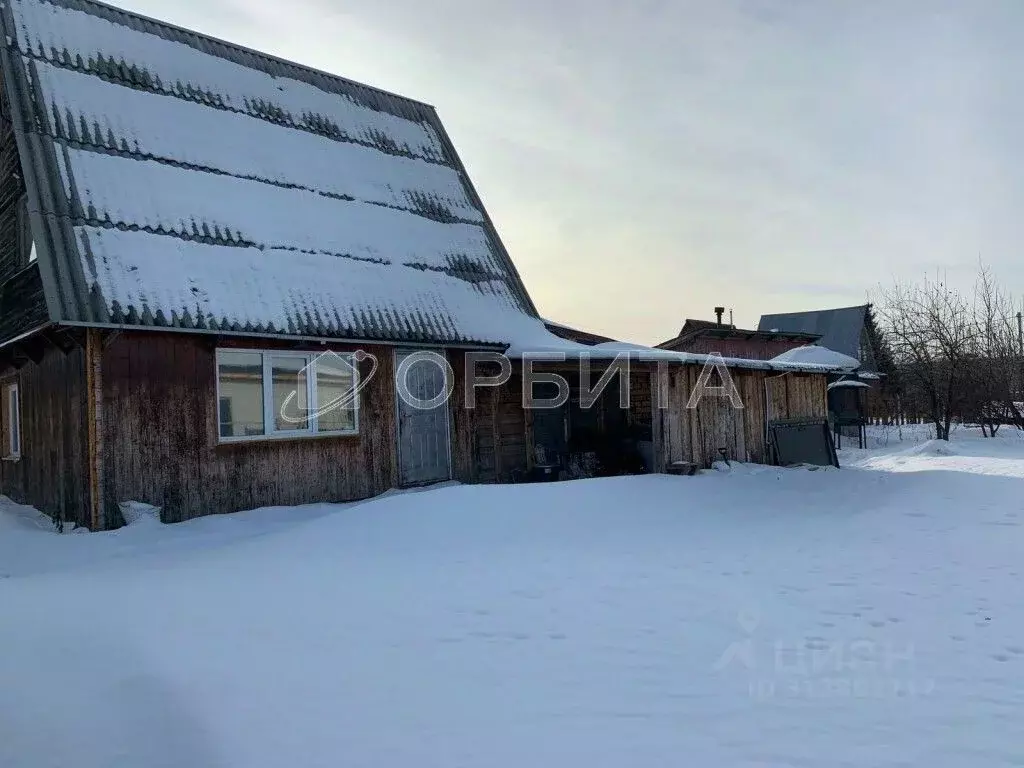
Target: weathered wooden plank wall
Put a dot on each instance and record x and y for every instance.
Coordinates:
(473, 429)
(696, 435)
(748, 349)
(510, 429)
(51, 473)
(161, 445)
(513, 436)
(806, 396)
(673, 428)
(716, 428)
(641, 401)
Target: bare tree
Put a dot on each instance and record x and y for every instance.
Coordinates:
(994, 391)
(932, 333)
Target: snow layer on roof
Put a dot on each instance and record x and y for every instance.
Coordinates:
(61, 34)
(818, 355)
(248, 288)
(153, 195)
(547, 346)
(110, 116)
(849, 384)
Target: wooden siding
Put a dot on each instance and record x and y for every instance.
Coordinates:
(512, 424)
(700, 434)
(641, 401)
(156, 429)
(510, 430)
(51, 473)
(162, 448)
(757, 347)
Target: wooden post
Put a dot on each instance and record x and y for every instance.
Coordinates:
(94, 407)
(657, 439)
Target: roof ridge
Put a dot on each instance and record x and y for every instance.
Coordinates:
(106, 10)
(816, 311)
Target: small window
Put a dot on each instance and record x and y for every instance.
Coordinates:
(11, 422)
(240, 379)
(291, 393)
(335, 388)
(281, 394)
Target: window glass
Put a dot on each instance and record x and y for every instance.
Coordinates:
(335, 395)
(291, 394)
(240, 377)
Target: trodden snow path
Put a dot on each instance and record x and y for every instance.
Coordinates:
(758, 617)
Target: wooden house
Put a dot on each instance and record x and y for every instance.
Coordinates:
(186, 224)
(196, 237)
(717, 337)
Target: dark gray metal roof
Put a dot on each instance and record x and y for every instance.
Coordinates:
(180, 181)
(840, 329)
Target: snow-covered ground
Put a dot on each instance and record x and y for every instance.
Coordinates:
(871, 616)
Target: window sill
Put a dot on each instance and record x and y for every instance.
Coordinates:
(12, 459)
(223, 442)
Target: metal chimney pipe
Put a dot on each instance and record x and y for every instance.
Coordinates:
(719, 311)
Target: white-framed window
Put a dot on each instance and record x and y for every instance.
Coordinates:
(272, 394)
(11, 421)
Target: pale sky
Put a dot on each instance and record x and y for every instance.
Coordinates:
(644, 160)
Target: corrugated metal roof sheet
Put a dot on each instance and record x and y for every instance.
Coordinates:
(840, 329)
(177, 180)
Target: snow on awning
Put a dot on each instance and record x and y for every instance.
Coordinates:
(849, 384)
(812, 354)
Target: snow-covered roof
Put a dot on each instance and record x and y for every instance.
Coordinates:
(849, 384)
(545, 346)
(177, 180)
(818, 355)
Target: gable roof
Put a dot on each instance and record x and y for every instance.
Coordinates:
(839, 329)
(175, 180)
(694, 329)
(693, 324)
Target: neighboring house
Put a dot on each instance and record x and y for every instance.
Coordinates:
(847, 330)
(710, 336)
(198, 241)
(843, 330)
